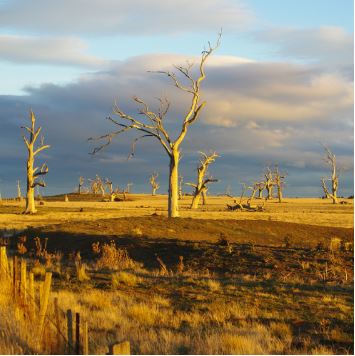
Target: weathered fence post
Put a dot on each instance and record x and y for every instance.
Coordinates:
(23, 280)
(31, 295)
(44, 301)
(77, 333)
(3, 262)
(85, 339)
(70, 330)
(121, 348)
(14, 278)
(57, 323)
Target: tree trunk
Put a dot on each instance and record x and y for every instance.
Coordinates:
(195, 201)
(334, 191)
(30, 196)
(279, 194)
(204, 197)
(154, 190)
(260, 196)
(173, 205)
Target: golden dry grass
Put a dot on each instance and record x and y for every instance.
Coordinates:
(312, 211)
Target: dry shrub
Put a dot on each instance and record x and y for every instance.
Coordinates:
(20, 246)
(137, 232)
(211, 284)
(125, 278)
(144, 314)
(81, 272)
(114, 258)
(322, 350)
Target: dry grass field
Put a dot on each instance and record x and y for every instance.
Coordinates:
(273, 282)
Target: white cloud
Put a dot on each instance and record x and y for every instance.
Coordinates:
(53, 51)
(330, 46)
(137, 17)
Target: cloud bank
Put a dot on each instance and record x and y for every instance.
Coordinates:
(256, 113)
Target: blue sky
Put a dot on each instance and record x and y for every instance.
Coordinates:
(286, 68)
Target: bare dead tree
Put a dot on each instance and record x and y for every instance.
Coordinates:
(253, 189)
(240, 206)
(109, 185)
(153, 182)
(201, 186)
(93, 186)
(153, 123)
(279, 181)
(228, 191)
(269, 183)
(260, 187)
(330, 159)
(81, 183)
(111, 191)
(19, 194)
(181, 182)
(33, 173)
(97, 185)
(100, 185)
(128, 188)
(325, 188)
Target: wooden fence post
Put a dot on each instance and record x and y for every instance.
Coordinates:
(14, 278)
(57, 323)
(11, 269)
(31, 295)
(23, 280)
(77, 333)
(121, 348)
(70, 330)
(85, 339)
(40, 294)
(3, 262)
(44, 301)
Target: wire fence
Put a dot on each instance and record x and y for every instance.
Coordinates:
(41, 315)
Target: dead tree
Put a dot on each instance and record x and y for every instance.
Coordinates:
(325, 189)
(128, 188)
(279, 181)
(181, 182)
(19, 194)
(253, 189)
(33, 173)
(100, 185)
(109, 185)
(201, 186)
(97, 186)
(240, 206)
(81, 183)
(153, 182)
(330, 160)
(269, 183)
(93, 186)
(260, 187)
(153, 123)
(228, 191)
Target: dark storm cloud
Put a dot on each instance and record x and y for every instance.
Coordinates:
(256, 113)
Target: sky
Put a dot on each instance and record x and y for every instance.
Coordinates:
(278, 88)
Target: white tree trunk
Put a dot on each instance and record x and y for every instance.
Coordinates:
(173, 200)
(30, 196)
(195, 201)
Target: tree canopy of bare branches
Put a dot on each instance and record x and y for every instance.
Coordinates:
(153, 123)
(33, 173)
